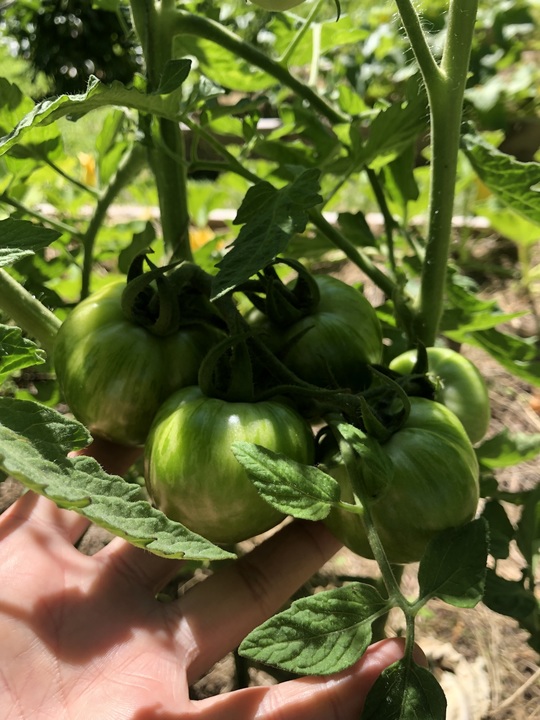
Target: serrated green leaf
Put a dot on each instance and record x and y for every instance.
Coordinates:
(508, 448)
(509, 597)
(270, 217)
(292, 488)
(453, 567)
(501, 530)
(390, 132)
(514, 182)
(469, 313)
(375, 469)
(405, 692)
(33, 443)
(513, 353)
(319, 634)
(174, 74)
(16, 352)
(96, 96)
(20, 238)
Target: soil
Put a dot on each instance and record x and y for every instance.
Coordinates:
(481, 658)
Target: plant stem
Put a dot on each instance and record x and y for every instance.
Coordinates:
(130, 165)
(445, 87)
(284, 59)
(43, 219)
(28, 312)
(351, 464)
(203, 27)
(354, 254)
(155, 26)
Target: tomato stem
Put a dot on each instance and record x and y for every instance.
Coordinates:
(203, 27)
(445, 85)
(129, 167)
(28, 312)
(166, 154)
(350, 461)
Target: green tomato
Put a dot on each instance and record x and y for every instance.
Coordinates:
(433, 486)
(277, 5)
(192, 474)
(459, 386)
(114, 374)
(333, 346)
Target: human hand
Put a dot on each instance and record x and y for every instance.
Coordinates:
(84, 638)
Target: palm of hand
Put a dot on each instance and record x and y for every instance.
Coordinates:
(84, 638)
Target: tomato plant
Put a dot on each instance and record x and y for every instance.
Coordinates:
(433, 486)
(192, 474)
(333, 345)
(458, 385)
(114, 374)
(302, 142)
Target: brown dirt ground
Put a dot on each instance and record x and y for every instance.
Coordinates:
(481, 658)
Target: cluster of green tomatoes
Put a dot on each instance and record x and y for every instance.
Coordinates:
(189, 385)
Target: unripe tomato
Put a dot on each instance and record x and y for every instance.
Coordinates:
(114, 374)
(459, 386)
(333, 346)
(433, 487)
(192, 474)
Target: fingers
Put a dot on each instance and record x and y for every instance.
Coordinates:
(141, 567)
(336, 697)
(59, 523)
(218, 613)
(43, 513)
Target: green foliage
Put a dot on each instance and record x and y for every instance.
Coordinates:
(33, 444)
(299, 127)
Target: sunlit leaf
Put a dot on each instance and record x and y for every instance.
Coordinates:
(34, 441)
(319, 634)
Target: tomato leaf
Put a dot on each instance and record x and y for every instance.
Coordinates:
(512, 598)
(295, 489)
(174, 74)
(518, 355)
(319, 634)
(270, 217)
(501, 530)
(405, 692)
(514, 182)
(508, 448)
(391, 131)
(375, 468)
(16, 352)
(97, 95)
(21, 238)
(33, 443)
(453, 567)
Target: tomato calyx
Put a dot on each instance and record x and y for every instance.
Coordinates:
(226, 373)
(164, 299)
(284, 303)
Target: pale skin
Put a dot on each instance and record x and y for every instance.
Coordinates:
(84, 638)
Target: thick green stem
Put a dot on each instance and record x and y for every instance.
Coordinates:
(203, 27)
(129, 167)
(31, 315)
(445, 87)
(155, 26)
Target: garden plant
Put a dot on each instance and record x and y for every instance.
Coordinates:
(255, 385)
